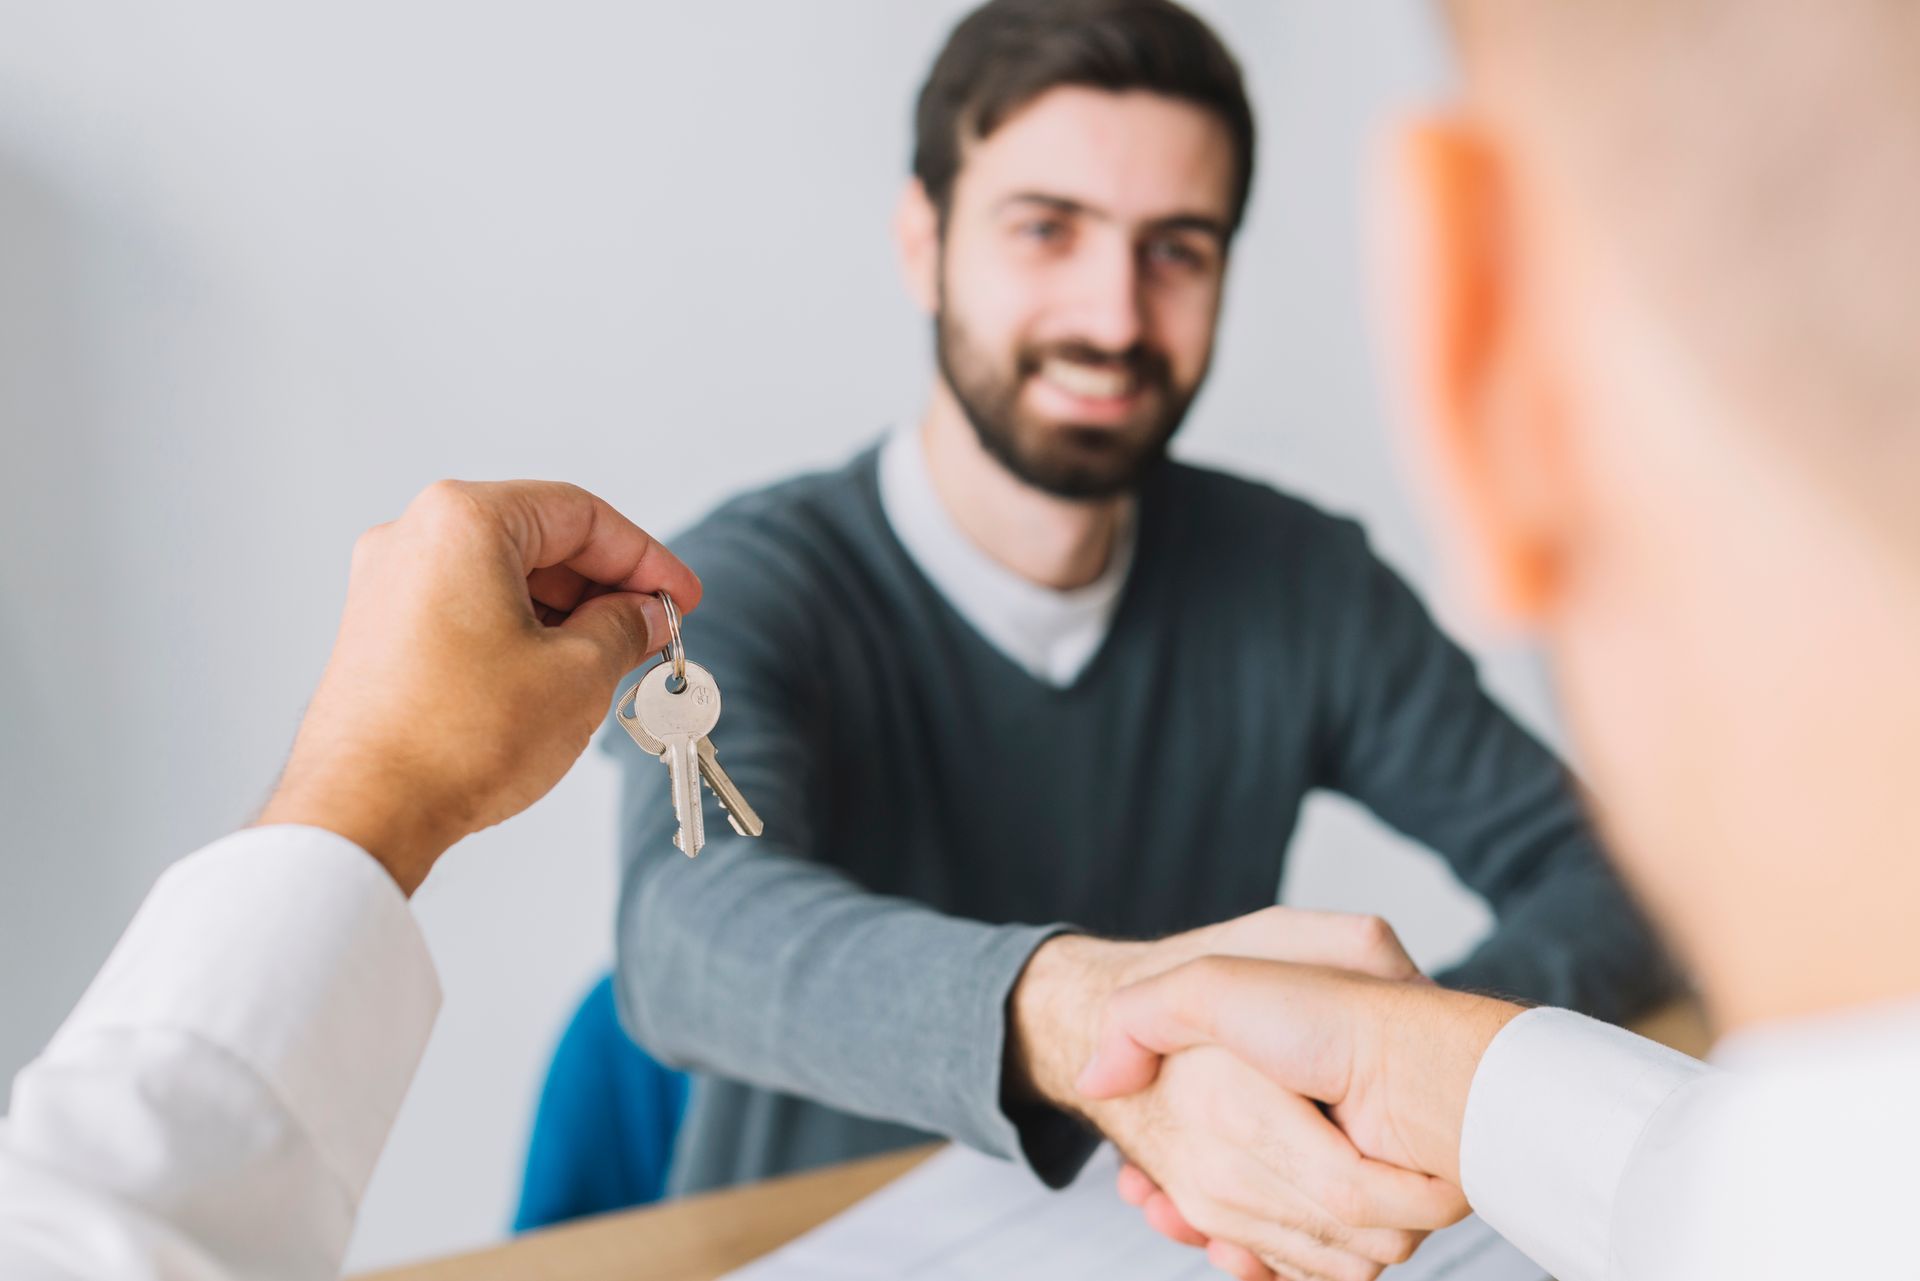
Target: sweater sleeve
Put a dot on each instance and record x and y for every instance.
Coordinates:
(760, 962)
(1412, 735)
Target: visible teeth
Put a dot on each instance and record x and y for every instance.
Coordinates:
(1086, 380)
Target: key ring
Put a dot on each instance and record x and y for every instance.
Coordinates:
(676, 650)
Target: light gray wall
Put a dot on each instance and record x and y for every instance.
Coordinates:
(267, 269)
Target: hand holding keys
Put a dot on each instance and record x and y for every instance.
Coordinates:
(669, 713)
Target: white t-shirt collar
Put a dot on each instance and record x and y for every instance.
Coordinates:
(1052, 634)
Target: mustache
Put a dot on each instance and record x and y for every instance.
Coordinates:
(1142, 362)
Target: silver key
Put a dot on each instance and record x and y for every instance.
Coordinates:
(669, 713)
(744, 818)
(623, 712)
(745, 821)
(678, 721)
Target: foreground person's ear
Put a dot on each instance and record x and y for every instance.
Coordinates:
(1483, 381)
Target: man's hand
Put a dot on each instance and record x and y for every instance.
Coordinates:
(1392, 1062)
(483, 634)
(1251, 1165)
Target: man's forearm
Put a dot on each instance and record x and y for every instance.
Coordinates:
(783, 973)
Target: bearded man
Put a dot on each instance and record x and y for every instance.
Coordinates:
(1012, 687)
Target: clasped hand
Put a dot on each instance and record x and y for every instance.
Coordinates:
(1245, 1073)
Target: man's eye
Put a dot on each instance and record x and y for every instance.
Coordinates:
(1175, 253)
(1044, 231)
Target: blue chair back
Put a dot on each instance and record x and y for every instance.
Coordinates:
(604, 1131)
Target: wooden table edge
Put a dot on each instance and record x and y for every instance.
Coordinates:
(696, 1238)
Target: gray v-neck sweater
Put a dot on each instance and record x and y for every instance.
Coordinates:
(933, 812)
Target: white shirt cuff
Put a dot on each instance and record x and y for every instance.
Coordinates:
(1557, 1107)
(291, 949)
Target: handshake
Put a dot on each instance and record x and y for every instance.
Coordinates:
(1287, 1088)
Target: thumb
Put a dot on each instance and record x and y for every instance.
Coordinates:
(624, 627)
(1290, 1022)
(1144, 1023)
(1120, 1065)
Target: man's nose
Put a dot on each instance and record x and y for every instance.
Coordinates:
(1107, 302)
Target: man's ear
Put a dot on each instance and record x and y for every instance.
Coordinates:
(916, 235)
(1478, 366)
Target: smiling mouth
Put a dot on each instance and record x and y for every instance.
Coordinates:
(1090, 382)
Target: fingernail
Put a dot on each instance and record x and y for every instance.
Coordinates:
(656, 615)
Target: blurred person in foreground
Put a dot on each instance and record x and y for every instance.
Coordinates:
(1663, 300)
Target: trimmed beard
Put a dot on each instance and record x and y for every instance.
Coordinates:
(1081, 463)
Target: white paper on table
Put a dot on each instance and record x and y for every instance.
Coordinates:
(961, 1216)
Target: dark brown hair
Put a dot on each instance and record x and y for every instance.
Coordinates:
(1007, 53)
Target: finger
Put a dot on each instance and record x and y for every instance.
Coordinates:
(1121, 1064)
(1345, 940)
(1354, 1191)
(1385, 1246)
(1386, 1196)
(1164, 1217)
(552, 523)
(1293, 1251)
(1137, 1188)
(1134, 1186)
(1238, 1262)
(1289, 1252)
(1293, 1023)
(624, 629)
(1148, 1020)
(557, 587)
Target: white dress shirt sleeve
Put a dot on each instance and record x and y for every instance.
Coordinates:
(1559, 1116)
(214, 1106)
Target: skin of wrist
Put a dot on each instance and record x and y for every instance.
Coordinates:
(403, 836)
(1431, 1041)
(1054, 1012)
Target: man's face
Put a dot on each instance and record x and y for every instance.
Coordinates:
(1079, 283)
